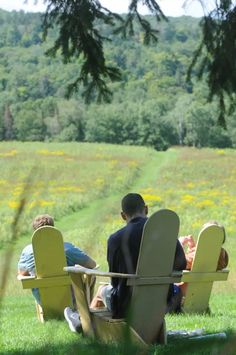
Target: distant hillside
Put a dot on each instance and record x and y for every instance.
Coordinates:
(153, 105)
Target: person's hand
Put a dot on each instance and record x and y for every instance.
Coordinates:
(97, 301)
(23, 272)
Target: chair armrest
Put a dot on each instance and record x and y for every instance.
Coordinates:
(133, 279)
(174, 277)
(83, 270)
(191, 276)
(94, 268)
(22, 277)
(33, 281)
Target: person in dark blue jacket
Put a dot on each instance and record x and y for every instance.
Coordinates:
(122, 256)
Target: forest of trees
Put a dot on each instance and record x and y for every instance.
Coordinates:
(152, 104)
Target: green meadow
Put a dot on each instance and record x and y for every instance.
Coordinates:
(81, 185)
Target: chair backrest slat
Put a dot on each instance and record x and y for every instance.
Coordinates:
(156, 258)
(206, 257)
(158, 245)
(208, 248)
(48, 248)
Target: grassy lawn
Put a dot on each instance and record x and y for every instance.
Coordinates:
(81, 186)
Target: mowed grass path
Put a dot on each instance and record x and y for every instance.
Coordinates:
(197, 184)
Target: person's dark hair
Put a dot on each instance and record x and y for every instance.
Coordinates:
(132, 203)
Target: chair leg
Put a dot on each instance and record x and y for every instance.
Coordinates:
(162, 337)
(81, 296)
(39, 311)
(89, 282)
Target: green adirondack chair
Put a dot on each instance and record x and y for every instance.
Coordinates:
(203, 273)
(53, 282)
(150, 287)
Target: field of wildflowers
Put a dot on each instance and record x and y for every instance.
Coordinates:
(65, 177)
(199, 186)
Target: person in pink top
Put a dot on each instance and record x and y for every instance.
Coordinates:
(189, 244)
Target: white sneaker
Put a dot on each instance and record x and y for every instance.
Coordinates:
(73, 319)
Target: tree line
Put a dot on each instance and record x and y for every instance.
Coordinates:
(152, 104)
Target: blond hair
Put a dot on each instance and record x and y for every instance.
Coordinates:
(42, 220)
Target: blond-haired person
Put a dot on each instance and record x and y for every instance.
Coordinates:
(74, 255)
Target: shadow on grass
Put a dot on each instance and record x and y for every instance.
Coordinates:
(205, 345)
(83, 346)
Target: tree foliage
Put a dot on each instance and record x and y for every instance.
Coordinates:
(79, 36)
(152, 104)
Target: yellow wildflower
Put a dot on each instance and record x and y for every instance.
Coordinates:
(188, 198)
(99, 181)
(220, 152)
(11, 153)
(14, 204)
(44, 203)
(205, 203)
(151, 197)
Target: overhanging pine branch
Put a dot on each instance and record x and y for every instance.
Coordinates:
(78, 38)
(216, 55)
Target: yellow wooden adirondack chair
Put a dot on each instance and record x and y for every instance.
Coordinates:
(203, 273)
(53, 282)
(150, 287)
